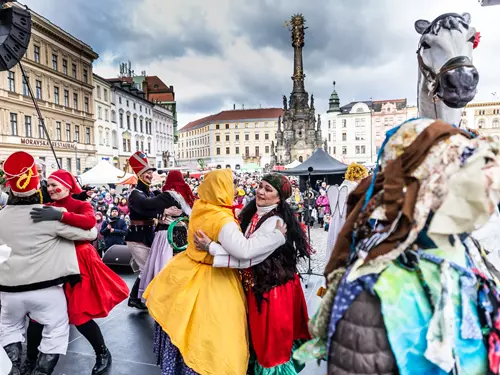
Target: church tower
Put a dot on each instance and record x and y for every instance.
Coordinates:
(299, 134)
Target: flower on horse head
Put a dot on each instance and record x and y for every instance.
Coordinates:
(477, 38)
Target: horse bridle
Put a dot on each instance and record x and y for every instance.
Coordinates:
(434, 78)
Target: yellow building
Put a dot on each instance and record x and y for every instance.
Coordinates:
(229, 139)
(59, 69)
(483, 116)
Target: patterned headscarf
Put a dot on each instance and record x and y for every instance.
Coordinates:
(280, 183)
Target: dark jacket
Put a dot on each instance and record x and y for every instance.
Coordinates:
(145, 206)
(360, 344)
(117, 237)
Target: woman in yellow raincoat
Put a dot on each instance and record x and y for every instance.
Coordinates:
(201, 310)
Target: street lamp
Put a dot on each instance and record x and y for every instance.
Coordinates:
(75, 143)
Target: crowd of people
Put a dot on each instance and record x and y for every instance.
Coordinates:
(216, 263)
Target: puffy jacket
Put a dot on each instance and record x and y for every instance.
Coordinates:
(360, 345)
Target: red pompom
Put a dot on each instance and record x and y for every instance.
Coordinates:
(477, 38)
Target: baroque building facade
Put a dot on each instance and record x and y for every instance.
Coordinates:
(298, 134)
(483, 116)
(231, 139)
(59, 70)
(106, 131)
(163, 128)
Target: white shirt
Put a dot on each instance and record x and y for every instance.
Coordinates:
(234, 250)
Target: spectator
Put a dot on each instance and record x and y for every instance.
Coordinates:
(114, 230)
(99, 243)
(123, 207)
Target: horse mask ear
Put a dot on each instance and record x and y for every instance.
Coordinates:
(466, 17)
(421, 26)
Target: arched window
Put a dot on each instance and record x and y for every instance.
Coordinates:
(496, 123)
(481, 124)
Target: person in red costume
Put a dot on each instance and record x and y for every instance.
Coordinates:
(100, 289)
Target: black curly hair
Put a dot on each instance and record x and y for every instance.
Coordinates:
(281, 266)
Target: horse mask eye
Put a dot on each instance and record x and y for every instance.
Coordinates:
(425, 45)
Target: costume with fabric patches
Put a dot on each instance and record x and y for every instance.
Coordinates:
(408, 290)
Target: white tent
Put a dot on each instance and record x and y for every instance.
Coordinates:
(293, 164)
(103, 173)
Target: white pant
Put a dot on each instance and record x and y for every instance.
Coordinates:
(46, 306)
(140, 253)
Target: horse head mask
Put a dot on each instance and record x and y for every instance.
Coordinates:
(445, 58)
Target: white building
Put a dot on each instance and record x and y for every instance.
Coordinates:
(163, 123)
(482, 116)
(105, 131)
(229, 138)
(134, 117)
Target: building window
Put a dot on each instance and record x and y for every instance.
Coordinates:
(247, 151)
(98, 89)
(481, 124)
(41, 132)
(227, 126)
(99, 112)
(13, 123)
(217, 138)
(127, 103)
(267, 149)
(39, 90)
(237, 150)
(496, 123)
(85, 76)
(66, 98)
(149, 147)
(86, 104)
(256, 136)
(247, 137)
(56, 95)
(65, 66)
(68, 164)
(237, 137)
(75, 101)
(141, 125)
(26, 92)
(36, 51)
(344, 150)
(124, 145)
(106, 115)
(73, 70)
(357, 150)
(12, 81)
(27, 125)
(344, 123)
(113, 116)
(54, 62)
(87, 136)
(266, 136)
(217, 127)
(227, 151)
(344, 137)
(363, 150)
(78, 165)
(329, 137)
(227, 137)
(135, 124)
(58, 131)
(128, 121)
(121, 120)
(59, 163)
(218, 149)
(120, 99)
(105, 95)
(257, 152)
(359, 136)
(77, 133)
(68, 132)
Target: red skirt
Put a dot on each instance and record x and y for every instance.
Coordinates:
(99, 291)
(282, 320)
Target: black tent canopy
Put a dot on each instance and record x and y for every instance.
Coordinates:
(321, 163)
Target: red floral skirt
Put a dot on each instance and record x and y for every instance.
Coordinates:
(99, 291)
(282, 320)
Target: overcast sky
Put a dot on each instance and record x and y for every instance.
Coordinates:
(219, 52)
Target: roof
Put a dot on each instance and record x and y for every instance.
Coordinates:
(347, 108)
(321, 163)
(161, 97)
(234, 115)
(156, 81)
(400, 104)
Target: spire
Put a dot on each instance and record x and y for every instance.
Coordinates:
(296, 27)
(334, 102)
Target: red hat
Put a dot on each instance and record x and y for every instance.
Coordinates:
(21, 174)
(139, 163)
(67, 179)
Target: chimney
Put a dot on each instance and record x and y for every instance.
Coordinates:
(234, 106)
(243, 106)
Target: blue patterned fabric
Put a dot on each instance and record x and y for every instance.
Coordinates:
(346, 294)
(168, 357)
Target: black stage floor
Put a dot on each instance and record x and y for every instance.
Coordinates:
(129, 337)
